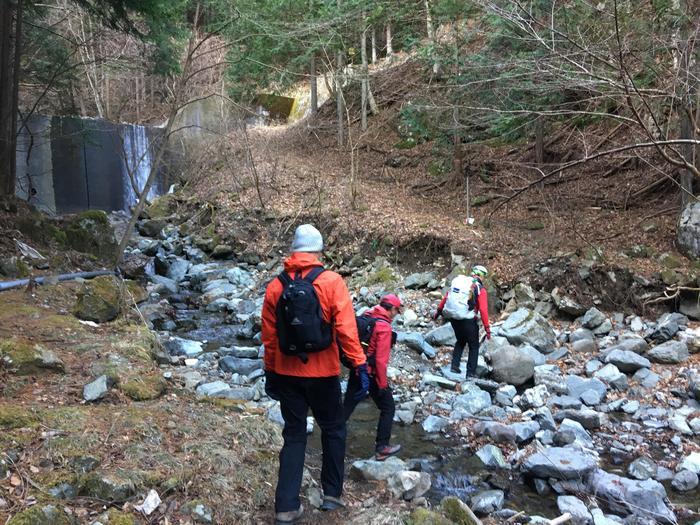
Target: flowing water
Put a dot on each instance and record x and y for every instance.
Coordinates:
(136, 163)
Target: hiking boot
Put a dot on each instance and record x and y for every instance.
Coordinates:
(385, 451)
(288, 517)
(455, 370)
(331, 503)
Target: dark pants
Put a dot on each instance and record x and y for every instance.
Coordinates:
(384, 399)
(467, 333)
(323, 396)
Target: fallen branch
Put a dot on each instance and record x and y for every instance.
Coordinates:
(561, 519)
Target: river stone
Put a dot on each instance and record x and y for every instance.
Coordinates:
(96, 390)
(645, 499)
(525, 431)
(691, 462)
(589, 419)
(632, 343)
(511, 366)
(99, 300)
(581, 334)
(593, 318)
(592, 397)
(212, 389)
(670, 352)
(627, 361)
(560, 463)
(434, 424)
(497, 432)
(567, 305)
(678, 423)
(584, 346)
(611, 375)
(569, 425)
(550, 376)
(474, 400)
(240, 277)
(505, 394)
(439, 381)
(538, 357)
(646, 378)
(604, 328)
(418, 280)
(491, 456)
(526, 326)
(487, 502)
(372, 470)
(108, 486)
(178, 346)
(534, 397)
(577, 509)
(231, 364)
(578, 385)
(685, 481)
(566, 402)
(409, 485)
(178, 269)
(23, 358)
(642, 468)
(442, 336)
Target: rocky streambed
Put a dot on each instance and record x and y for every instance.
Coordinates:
(576, 410)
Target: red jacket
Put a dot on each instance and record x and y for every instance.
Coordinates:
(337, 309)
(482, 306)
(380, 344)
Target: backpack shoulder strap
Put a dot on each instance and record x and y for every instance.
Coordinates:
(314, 273)
(284, 278)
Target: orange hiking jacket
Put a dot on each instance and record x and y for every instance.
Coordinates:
(337, 309)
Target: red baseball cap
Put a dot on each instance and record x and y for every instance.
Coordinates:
(391, 300)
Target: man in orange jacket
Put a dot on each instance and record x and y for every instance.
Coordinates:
(310, 380)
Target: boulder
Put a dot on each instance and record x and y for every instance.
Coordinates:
(581, 334)
(240, 277)
(578, 385)
(577, 509)
(550, 376)
(511, 366)
(537, 357)
(487, 502)
(642, 468)
(151, 227)
(570, 307)
(90, 232)
(99, 300)
(584, 346)
(372, 470)
(611, 375)
(416, 341)
(688, 232)
(418, 280)
(685, 481)
(434, 424)
(473, 401)
(560, 463)
(496, 432)
(627, 361)
(231, 364)
(587, 418)
(96, 390)
(441, 336)
(492, 457)
(593, 318)
(24, 358)
(525, 431)
(645, 499)
(534, 397)
(409, 485)
(527, 326)
(670, 352)
(691, 462)
(631, 343)
(177, 346)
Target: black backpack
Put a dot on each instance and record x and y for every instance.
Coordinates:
(301, 329)
(365, 327)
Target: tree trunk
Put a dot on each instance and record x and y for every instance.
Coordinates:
(314, 85)
(539, 140)
(429, 22)
(374, 45)
(10, 48)
(339, 103)
(365, 73)
(687, 125)
(389, 48)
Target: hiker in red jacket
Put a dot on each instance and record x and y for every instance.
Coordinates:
(463, 303)
(378, 352)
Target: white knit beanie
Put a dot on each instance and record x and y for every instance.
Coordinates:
(307, 239)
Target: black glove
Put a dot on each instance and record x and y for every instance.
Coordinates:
(272, 385)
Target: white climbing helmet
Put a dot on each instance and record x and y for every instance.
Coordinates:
(480, 271)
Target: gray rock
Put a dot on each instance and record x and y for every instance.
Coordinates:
(685, 481)
(611, 375)
(231, 364)
(511, 366)
(560, 463)
(505, 394)
(593, 318)
(581, 334)
(240, 277)
(434, 424)
(645, 499)
(627, 361)
(526, 326)
(578, 385)
(525, 431)
(418, 280)
(646, 378)
(584, 346)
(409, 485)
(416, 341)
(534, 397)
(212, 389)
(593, 366)
(582, 436)
(441, 336)
(670, 352)
(439, 381)
(372, 470)
(589, 419)
(538, 358)
(642, 468)
(691, 462)
(577, 509)
(544, 418)
(666, 328)
(473, 401)
(604, 328)
(487, 502)
(497, 432)
(166, 283)
(567, 305)
(551, 378)
(566, 402)
(96, 390)
(178, 269)
(243, 352)
(107, 486)
(631, 343)
(678, 423)
(630, 407)
(178, 346)
(491, 456)
(591, 397)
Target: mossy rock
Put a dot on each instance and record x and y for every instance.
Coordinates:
(99, 300)
(162, 207)
(670, 277)
(16, 417)
(108, 486)
(457, 511)
(381, 276)
(670, 261)
(136, 291)
(117, 517)
(14, 267)
(90, 232)
(144, 388)
(480, 200)
(25, 358)
(407, 143)
(423, 516)
(48, 515)
(638, 251)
